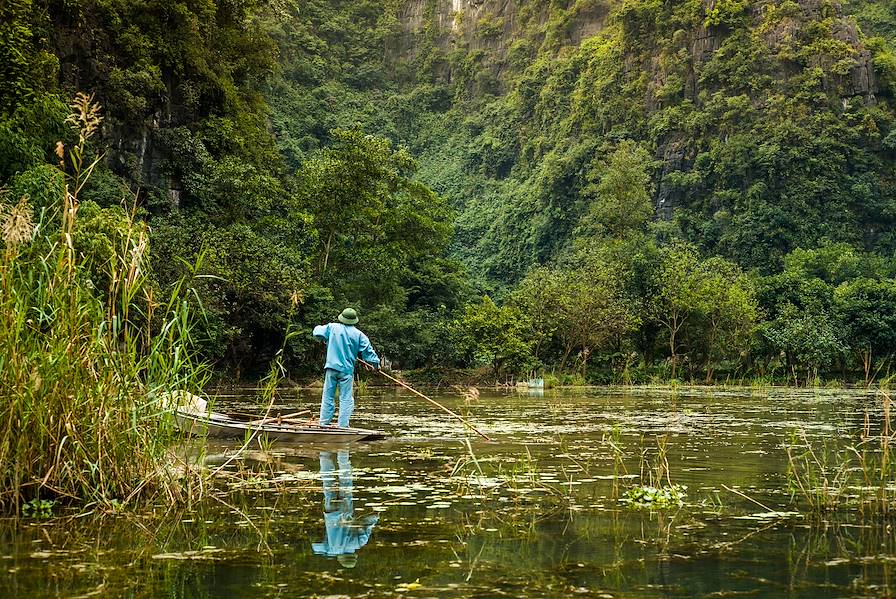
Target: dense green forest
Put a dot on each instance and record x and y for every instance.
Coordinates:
(610, 191)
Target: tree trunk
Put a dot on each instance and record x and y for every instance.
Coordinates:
(709, 347)
(327, 252)
(866, 363)
(567, 351)
(672, 349)
(585, 353)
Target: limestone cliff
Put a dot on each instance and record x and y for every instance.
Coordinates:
(482, 48)
(503, 37)
(490, 27)
(493, 27)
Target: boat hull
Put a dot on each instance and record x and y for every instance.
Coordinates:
(220, 426)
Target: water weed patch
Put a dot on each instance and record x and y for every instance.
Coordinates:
(655, 498)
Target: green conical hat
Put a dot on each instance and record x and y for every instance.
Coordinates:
(348, 316)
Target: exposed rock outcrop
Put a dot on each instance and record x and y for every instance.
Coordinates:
(487, 26)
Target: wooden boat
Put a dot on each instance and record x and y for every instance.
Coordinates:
(222, 426)
(192, 416)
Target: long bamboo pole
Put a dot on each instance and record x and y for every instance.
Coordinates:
(429, 399)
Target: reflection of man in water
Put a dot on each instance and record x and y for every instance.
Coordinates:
(344, 536)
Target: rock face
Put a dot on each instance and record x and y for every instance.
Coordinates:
(707, 41)
(861, 80)
(136, 154)
(135, 151)
(673, 159)
(785, 35)
(489, 29)
(475, 25)
(487, 26)
(492, 26)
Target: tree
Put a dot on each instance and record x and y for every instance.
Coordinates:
(619, 192)
(679, 293)
(582, 310)
(837, 263)
(27, 69)
(593, 311)
(809, 340)
(373, 220)
(539, 296)
(253, 282)
(495, 336)
(710, 304)
(867, 310)
(727, 312)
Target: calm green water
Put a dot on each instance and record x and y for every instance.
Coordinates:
(534, 515)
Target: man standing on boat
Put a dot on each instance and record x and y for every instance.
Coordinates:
(344, 343)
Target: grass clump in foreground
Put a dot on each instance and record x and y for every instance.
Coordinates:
(84, 344)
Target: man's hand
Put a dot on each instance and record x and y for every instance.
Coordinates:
(369, 366)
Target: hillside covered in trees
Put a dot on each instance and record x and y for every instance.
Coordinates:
(609, 190)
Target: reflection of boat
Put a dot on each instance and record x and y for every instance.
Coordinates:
(222, 426)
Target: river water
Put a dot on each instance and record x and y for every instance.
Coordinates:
(431, 512)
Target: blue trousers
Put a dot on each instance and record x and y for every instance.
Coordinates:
(337, 490)
(344, 380)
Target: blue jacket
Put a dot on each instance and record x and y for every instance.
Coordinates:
(344, 343)
(344, 535)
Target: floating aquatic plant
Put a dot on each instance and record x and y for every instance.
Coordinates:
(655, 498)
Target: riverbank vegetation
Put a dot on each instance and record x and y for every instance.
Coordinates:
(88, 344)
(594, 191)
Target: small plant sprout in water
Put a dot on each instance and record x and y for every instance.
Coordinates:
(613, 441)
(713, 503)
(470, 395)
(659, 493)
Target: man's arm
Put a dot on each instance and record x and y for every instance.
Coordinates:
(322, 332)
(367, 352)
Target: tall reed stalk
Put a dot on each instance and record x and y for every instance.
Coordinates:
(80, 366)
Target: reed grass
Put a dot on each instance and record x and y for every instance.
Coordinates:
(828, 477)
(82, 368)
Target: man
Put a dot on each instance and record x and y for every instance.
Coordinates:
(344, 343)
